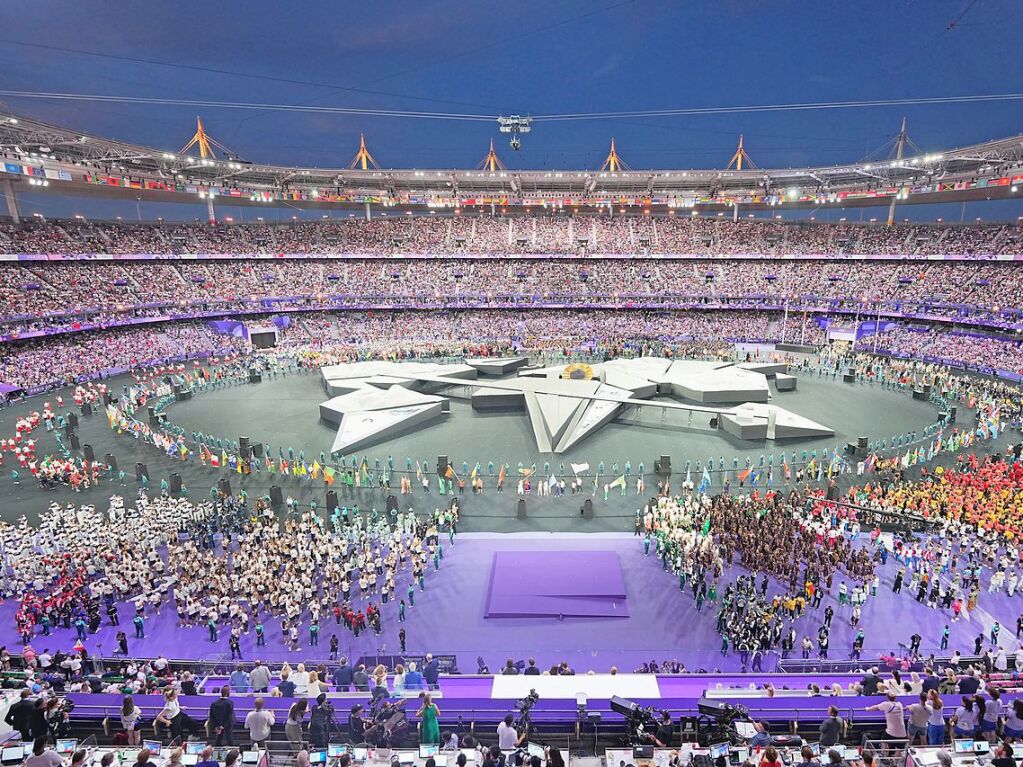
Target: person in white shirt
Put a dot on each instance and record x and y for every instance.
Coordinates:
(507, 735)
(301, 680)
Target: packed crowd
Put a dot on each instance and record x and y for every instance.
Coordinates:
(110, 291)
(959, 347)
(525, 234)
(69, 358)
(378, 334)
(79, 564)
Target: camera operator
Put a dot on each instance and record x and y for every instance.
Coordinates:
(662, 737)
(508, 738)
(319, 722)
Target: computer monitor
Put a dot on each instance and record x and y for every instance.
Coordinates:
(317, 757)
(962, 746)
(12, 754)
(194, 746)
(981, 747)
(190, 760)
(66, 745)
(816, 748)
(154, 746)
(739, 755)
(441, 760)
(335, 750)
(406, 757)
(745, 729)
(250, 757)
(851, 752)
(360, 754)
(426, 750)
(718, 750)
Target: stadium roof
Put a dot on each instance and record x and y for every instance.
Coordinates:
(39, 157)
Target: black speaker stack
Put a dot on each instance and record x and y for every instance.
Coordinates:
(276, 496)
(88, 453)
(175, 483)
(141, 470)
(520, 512)
(332, 502)
(110, 460)
(442, 465)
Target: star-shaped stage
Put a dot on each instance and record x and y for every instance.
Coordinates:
(374, 400)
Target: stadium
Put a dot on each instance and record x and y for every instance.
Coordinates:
(512, 462)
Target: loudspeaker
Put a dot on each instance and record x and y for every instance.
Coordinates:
(257, 449)
(442, 465)
(521, 509)
(141, 470)
(88, 453)
(176, 388)
(952, 413)
(862, 442)
(850, 448)
(919, 395)
(332, 502)
(175, 483)
(110, 460)
(714, 422)
(75, 443)
(276, 496)
(86, 408)
(662, 466)
(108, 399)
(72, 420)
(224, 485)
(392, 504)
(68, 429)
(255, 376)
(587, 509)
(849, 377)
(243, 447)
(151, 412)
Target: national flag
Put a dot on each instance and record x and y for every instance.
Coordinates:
(449, 473)
(620, 482)
(706, 526)
(316, 469)
(786, 470)
(500, 474)
(328, 476)
(223, 458)
(743, 475)
(689, 476)
(475, 471)
(579, 468)
(704, 481)
(419, 472)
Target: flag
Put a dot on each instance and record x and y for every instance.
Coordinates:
(500, 474)
(214, 460)
(552, 481)
(809, 466)
(620, 482)
(579, 468)
(475, 471)
(328, 476)
(786, 469)
(223, 458)
(316, 469)
(419, 472)
(689, 476)
(743, 475)
(706, 526)
(704, 482)
(449, 473)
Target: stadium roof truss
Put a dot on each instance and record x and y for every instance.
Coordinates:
(165, 174)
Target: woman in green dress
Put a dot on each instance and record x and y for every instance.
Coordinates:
(429, 729)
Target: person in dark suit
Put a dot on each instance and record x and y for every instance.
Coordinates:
(431, 671)
(509, 668)
(531, 669)
(20, 714)
(343, 676)
(222, 718)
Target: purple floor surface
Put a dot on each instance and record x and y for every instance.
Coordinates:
(663, 624)
(556, 584)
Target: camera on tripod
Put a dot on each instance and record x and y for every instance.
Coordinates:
(639, 720)
(524, 706)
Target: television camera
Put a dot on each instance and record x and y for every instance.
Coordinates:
(523, 721)
(640, 724)
(721, 722)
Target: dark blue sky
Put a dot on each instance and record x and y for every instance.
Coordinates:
(527, 56)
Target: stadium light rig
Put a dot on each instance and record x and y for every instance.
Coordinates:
(515, 125)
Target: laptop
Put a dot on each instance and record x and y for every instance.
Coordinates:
(190, 760)
(441, 760)
(194, 747)
(317, 757)
(250, 757)
(12, 754)
(154, 746)
(426, 750)
(335, 750)
(360, 754)
(66, 745)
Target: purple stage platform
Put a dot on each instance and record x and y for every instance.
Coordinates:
(556, 584)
